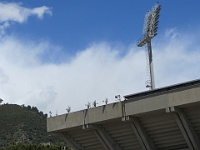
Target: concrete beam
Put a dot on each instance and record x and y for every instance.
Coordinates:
(133, 106)
(187, 130)
(143, 138)
(104, 138)
(71, 142)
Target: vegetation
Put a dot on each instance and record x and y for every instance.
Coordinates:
(1, 100)
(24, 127)
(33, 147)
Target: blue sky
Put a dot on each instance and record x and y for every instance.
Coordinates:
(60, 53)
(76, 24)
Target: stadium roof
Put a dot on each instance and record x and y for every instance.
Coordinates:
(162, 119)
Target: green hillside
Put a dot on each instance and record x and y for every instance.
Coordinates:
(23, 124)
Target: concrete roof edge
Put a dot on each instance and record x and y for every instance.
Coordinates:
(179, 86)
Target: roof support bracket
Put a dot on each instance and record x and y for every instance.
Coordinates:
(104, 138)
(187, 130)
(143, 138)
(72, 143)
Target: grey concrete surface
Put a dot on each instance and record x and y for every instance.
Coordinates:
(116, 110)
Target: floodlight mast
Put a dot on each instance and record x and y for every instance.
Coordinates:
(150, 31)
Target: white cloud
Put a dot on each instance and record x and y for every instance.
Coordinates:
(3, 27)
(95, 73)
(177, 58)
(40, 11)
(14, 12)
(171, 33)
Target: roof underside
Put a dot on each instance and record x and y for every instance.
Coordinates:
(161, 128)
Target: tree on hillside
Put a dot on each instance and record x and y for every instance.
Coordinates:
(20, 124)
(1, 100)
(22, 146)
(35, 109)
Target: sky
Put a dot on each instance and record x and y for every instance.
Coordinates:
(55, 54)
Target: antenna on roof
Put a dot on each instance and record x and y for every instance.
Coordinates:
(105, 101)
(88, 105)
(150, 31)
(50, 114)
(118, 97)
(95, 103)
(56, 113)
(68, 109)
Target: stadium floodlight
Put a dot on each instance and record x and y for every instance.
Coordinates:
(150, 25)
(150, 31)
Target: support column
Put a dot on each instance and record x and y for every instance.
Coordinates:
(143, 138)
(187, 130)
(72, 143)
(151, 72)
(104, 138)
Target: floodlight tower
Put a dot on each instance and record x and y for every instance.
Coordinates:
(150, 31)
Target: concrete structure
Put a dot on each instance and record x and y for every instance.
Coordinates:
(161, 119)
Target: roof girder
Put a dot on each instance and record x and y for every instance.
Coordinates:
(104, 138)
(143, 138)
(186, 129)
(72, 142)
